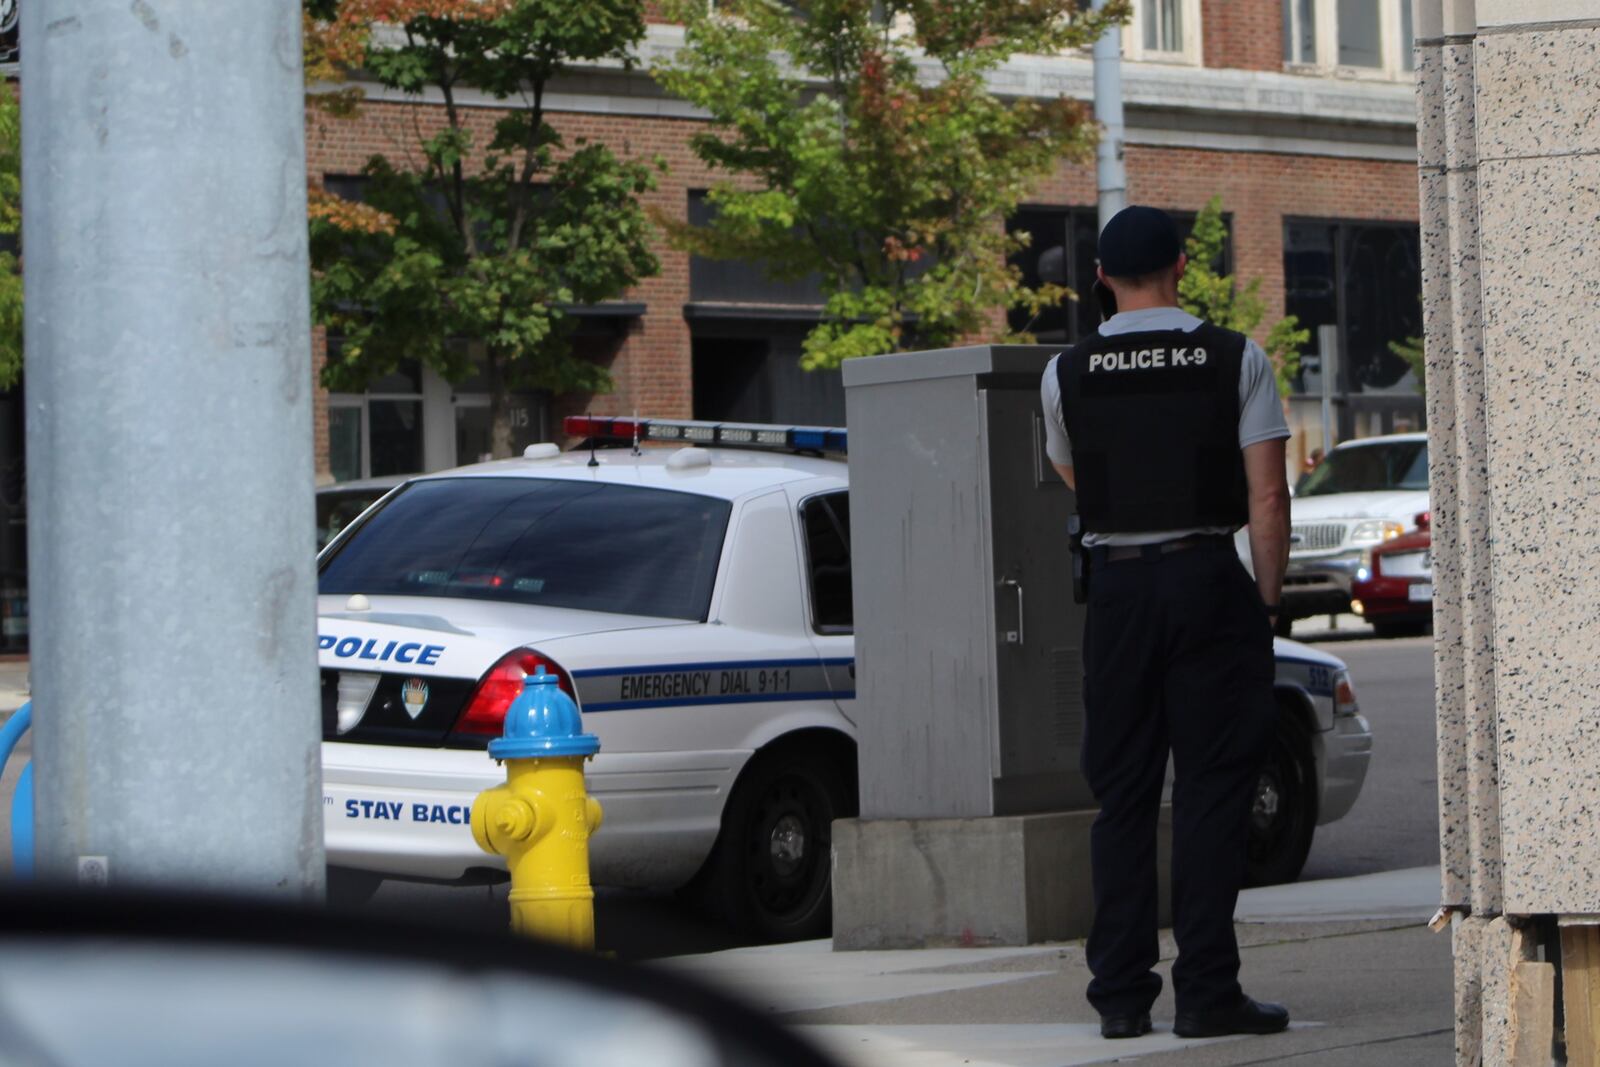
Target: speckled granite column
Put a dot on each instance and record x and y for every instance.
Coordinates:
(1450, 710)
(1467, 936)
(1473, 514)
(1539, 185)
(1509, 138)
(1463, 663)
(1463, 579)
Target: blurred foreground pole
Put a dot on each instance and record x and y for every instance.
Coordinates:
(1111, 178)
(169, 445)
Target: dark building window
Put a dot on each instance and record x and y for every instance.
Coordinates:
(739, 281)
(378, 432)
(1364, 278)
(1062, 250)
(346, 186)
(750, 372)
(747, 359)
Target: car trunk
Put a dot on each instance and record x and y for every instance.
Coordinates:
(372, 661)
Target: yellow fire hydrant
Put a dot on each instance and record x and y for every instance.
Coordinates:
(541, 819)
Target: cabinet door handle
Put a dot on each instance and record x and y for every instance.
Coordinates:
(1017, 636)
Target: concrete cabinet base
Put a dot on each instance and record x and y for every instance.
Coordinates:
(994, 880)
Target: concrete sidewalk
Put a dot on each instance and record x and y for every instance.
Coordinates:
(1366, 981)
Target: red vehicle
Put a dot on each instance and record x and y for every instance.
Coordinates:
(1393, 589)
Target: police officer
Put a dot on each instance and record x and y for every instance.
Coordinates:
(1171, 433)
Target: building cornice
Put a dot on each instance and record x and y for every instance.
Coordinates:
(1238, 110)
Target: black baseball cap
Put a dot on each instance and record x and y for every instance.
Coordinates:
(1137, 241)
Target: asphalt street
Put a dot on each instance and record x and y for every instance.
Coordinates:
(1394, 823)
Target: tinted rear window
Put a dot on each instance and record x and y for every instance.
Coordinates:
(554, 543)
(1369, 469)
(338, 508)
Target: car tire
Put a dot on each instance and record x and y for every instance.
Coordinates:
(1283, 808)
(351, 888)
(770, 875)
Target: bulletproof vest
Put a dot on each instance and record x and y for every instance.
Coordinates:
(1154, 422)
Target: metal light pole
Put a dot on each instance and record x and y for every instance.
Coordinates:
(1111, 180)
(1328, 346)
(169, 445)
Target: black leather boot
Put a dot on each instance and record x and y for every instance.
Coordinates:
(1116, 1027)
(1245, 1017)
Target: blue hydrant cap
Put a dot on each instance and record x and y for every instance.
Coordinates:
(543, 721)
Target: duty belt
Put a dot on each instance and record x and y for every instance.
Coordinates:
(1148, 553)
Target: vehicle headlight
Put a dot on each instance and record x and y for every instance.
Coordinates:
(1344, 694)
(1364, 571)
(1375, 531)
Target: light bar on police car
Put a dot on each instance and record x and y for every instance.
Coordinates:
(724, 434)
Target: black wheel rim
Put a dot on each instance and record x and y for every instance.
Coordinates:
(788, 847)
(1273, 805)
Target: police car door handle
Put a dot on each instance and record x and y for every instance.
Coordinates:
(1015, 637)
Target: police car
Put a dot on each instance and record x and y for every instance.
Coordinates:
(695, 601)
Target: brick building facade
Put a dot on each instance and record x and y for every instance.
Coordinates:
(1298, 113)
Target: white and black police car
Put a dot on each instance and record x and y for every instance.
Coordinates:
(695, 601)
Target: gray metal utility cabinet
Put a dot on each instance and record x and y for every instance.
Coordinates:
(974, 815)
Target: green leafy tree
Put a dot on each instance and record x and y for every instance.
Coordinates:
(461, 237)
(10, 223)
(1411, 350)
(1219, 300)
(859, 141)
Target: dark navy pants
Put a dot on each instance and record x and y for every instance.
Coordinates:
(1178, 658)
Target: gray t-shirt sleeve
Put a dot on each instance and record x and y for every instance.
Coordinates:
(1056, 444)
(1260, 408)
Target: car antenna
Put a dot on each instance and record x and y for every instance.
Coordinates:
(593, 462)
(636, 451)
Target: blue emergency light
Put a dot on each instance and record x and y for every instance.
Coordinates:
(720, 434)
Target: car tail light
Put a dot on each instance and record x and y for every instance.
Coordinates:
(1424, 520)
(501, 684)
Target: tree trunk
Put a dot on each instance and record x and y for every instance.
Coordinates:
(499, 408)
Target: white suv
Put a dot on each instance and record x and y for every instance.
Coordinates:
(1364, 493)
